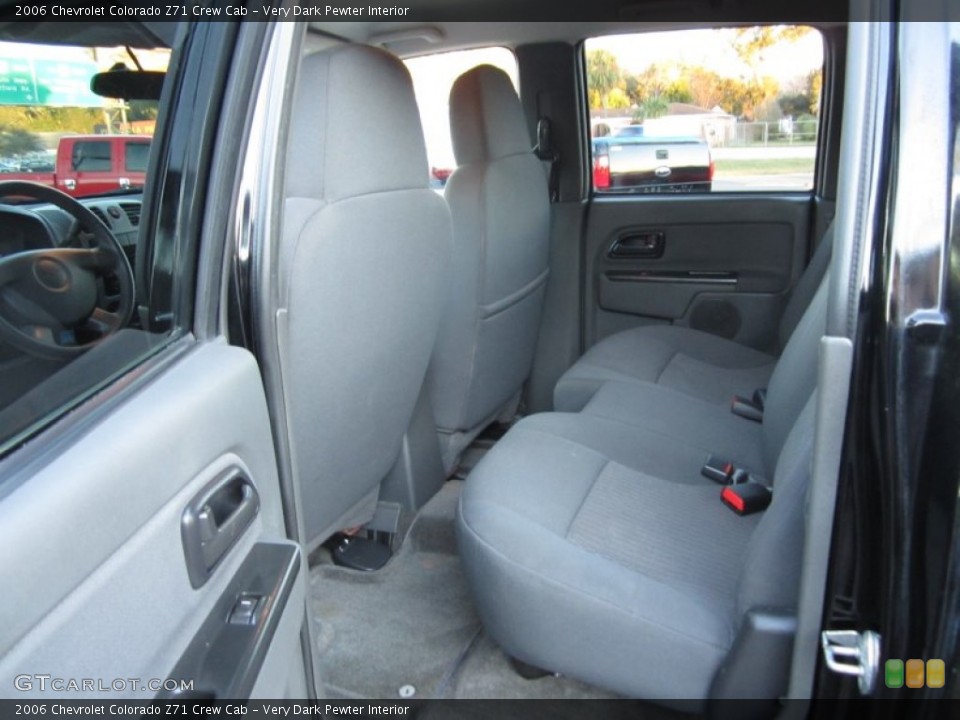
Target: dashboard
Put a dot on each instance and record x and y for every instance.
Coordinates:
(22, 230)
(40, 225)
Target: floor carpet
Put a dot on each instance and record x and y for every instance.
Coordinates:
(410, 629)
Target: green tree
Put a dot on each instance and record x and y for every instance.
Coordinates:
(617, 99)
(745, 99)
(750, 43)
(37, 118)
(678, 91)
(814, 86)
(16, 141)
(631, 86)
(794, 104)
(594, 99)
(707, 88)
(142, 110)
(603, 73)
(654, 106)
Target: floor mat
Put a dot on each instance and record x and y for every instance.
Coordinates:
(404, 625)
(487, 673)
(412, 624)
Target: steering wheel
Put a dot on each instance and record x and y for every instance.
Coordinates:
(53, 302)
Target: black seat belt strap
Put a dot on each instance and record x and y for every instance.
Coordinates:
(545, 151)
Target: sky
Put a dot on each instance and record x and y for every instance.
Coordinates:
(433, 75)
(711, 49)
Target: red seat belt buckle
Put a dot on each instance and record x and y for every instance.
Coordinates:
(746, 498)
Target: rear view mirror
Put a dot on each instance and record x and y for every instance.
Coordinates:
(124, 84)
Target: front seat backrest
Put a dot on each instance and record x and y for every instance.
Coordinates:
(501, 224)
(364, 256)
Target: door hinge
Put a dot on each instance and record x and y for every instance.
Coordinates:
(850, 652)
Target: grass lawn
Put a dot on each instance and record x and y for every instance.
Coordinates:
(771, 166)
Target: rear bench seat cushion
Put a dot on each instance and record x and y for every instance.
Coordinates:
(698, 424)
(696, 363)
(589, 555)
(587, 566)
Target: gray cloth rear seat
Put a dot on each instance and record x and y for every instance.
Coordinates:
(584, 559)
(712, 427)
(594, 547)
(696, 363)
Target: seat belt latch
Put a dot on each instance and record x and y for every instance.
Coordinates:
(717, 469)
(723, 471)
(750, 409)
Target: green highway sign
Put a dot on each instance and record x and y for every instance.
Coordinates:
(56, 83)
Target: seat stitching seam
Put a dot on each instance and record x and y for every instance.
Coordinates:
(566, 440)
(478, 294)
(626, 423)
(589, 595)
(583, 501)
(512, 299)
(665, 366)
(639, 384)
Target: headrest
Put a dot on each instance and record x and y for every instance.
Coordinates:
(355, 127)
(486, 120)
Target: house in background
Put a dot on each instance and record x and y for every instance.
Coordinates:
(715, 126)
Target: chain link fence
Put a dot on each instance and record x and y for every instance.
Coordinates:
(763, 134)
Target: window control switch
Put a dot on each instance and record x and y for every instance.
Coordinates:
(244, 611)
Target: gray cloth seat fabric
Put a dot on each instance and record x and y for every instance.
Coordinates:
(691, 361)
(600, 569)
(500, 209)
(664, 411)
(364, 253)
(594, 547)
(694, 362)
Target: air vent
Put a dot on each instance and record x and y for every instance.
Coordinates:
(133, 212)
(100, 214)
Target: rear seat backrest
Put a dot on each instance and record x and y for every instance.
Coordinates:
(771, 567)
(768, 586)
(806, 287)
(794, 378)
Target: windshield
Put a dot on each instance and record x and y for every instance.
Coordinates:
(54, 130)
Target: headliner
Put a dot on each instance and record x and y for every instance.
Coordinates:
(438, 24)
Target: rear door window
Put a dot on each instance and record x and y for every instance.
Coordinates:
(731, 109)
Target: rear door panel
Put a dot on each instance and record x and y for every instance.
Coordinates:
(91, 540)
(720, 263)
